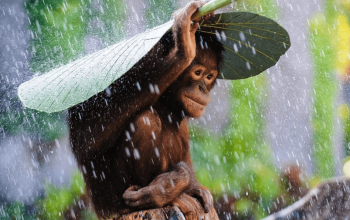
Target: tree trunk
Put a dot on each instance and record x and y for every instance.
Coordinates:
(329, 200)
(166, 213)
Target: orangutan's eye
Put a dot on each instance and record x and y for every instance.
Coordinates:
(209, 77)
(198, 73)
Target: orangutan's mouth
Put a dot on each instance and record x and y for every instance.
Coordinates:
(196, 102)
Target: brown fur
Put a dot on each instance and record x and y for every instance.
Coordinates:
(131, 141)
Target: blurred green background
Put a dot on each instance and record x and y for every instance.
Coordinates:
(237, 159)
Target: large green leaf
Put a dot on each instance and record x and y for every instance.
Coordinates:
(75, 82)
(259, 44)
(252, 43)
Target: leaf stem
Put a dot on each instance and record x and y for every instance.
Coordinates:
(211, 6)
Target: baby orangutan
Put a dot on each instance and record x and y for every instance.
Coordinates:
(131, 141)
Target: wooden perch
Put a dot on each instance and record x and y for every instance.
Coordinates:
(329, 200)
(166, 213)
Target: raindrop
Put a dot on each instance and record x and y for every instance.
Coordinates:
(108, 91)
(84, 170)
(248, 65)
(138, 86)
(136, 154)
(241, 35)
(172, 183)
(162, 189)
(30, 144)
(156, 88)
(127, 151)
(201, 42)
(156, 151)
(57, 143)
(253, 50)
(103, 175)
(183, 114)
(64, 26)
(223, 35)
(132, 127)
(146, 121)
(169, 118)
(151, 88)
(235, 47)
(217, 160)
(225, 197)
(38, 26)
(218, 35)
(127, 135)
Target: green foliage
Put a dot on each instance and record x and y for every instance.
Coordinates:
(344, 64)
(54, 205)
(159, 12)
(239, 161)
(57, 201)
(112, 14)
(48, 126)
(324, 90)
(15, 210)
(267, 8)
(58, 28)
(347, 136)
(330, 9)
